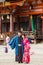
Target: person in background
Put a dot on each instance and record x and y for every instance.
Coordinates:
(6, 41)
(26, 54)
(16, 42)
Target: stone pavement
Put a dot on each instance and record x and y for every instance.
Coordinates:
(36, 52)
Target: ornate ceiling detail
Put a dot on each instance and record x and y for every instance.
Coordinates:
(23, 6)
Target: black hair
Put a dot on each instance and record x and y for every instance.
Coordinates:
(23, 34)
(7, 34)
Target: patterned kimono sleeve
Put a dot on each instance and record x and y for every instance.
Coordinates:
(28, 45)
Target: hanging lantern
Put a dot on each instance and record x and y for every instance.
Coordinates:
(8, 17)
(2, 18)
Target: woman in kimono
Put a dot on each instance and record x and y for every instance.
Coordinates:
(26, 54)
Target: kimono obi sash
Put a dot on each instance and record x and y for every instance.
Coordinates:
(19, 44)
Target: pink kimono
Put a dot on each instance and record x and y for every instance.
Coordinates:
(26, 55)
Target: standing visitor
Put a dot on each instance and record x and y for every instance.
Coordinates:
(7, 40)
(16, 42)
(26, 54)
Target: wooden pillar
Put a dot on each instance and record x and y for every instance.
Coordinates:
(18, 23)
(42, 29)
(11, 24)
(42, 25)
(6, 27)
(29, 25)
(0, 25)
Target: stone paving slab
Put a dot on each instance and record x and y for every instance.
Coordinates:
(9, 58)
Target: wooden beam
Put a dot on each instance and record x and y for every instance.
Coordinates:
(12, 4)
(29, 13)
(38, 5)
(4, 11)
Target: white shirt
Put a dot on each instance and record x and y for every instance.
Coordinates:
(7, 39)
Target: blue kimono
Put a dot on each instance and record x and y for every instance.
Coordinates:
(14, 44)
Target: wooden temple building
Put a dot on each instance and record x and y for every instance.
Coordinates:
(24, 15)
